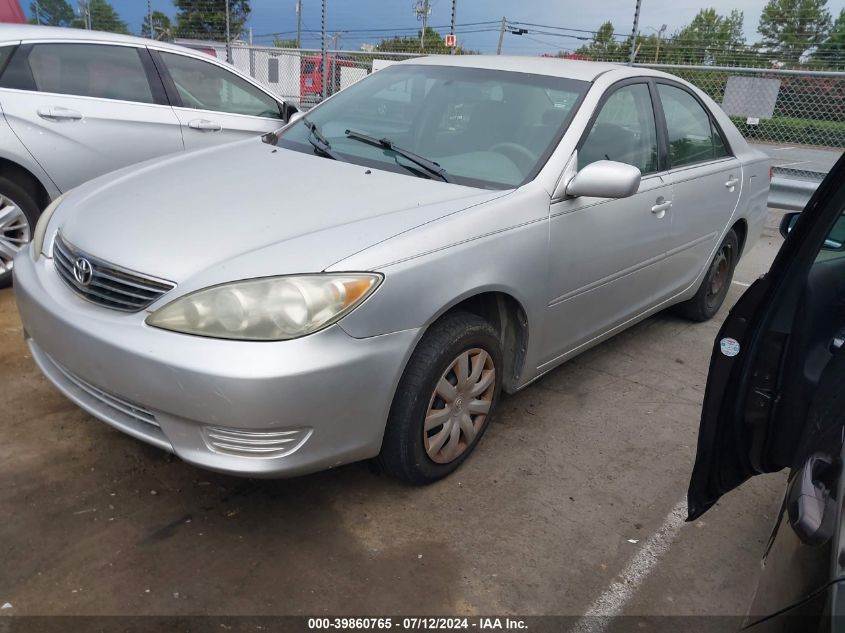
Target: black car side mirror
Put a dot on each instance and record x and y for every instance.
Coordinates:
(787, 223)
(810, 503)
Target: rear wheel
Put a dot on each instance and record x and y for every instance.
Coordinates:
(717, 281)
(18, 215)
(445, 400)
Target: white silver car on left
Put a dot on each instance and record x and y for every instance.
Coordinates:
(77, 104)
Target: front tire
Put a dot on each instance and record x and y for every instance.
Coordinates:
(18, 215)
(716, 283)
(445, 400)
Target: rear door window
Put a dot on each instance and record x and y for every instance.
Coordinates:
(693, 137)
(205, 86)
(85, 70)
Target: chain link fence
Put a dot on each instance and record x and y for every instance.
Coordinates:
(767, 105)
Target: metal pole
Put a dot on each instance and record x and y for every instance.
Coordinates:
(89, 23)
(426, 9)
(325, 69)
(634, 33)
(299, 23)
(659, 34)
(150, 18)
(228, 35)
(452, 31)
(502, 34)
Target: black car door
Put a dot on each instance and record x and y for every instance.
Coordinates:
(772, 400)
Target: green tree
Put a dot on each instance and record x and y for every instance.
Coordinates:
(50, 12)
(206, 19)
(832, 51)
(603, 46)
(709, 39)
(280, 43)
(102, 17)
(434, 43)
(792, 27)
(162, 28)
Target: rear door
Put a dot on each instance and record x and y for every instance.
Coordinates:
(774, 400)
(707, 181)
(85, 109)
(213, 104)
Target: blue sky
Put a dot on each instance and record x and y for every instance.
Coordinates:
(271, 16)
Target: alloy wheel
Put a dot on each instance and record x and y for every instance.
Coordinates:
(15, 232)
(459, 406)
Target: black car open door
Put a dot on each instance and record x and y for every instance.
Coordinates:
(768, 359)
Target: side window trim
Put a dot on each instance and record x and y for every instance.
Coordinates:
(714, 124)
(613, 88)
(169, 85)
(153, 77)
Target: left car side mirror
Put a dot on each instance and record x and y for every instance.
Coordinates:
(787, 223)
(605, 179)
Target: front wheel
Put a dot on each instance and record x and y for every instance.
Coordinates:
(445, 400)
(716, 283)
(18, 215)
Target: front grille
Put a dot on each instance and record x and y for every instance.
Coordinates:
(109, 285)
(134, 411)
(255, 444)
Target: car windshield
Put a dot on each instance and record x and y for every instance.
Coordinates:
(484, 128)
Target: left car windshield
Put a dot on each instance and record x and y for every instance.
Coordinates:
(485, 128)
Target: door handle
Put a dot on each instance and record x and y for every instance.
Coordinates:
(731, 183)
(811, 508)
(204, 125)
(661, 207)
(55, 113)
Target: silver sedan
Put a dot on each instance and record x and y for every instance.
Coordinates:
(367, 281)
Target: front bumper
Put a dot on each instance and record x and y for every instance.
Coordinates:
(324, 397)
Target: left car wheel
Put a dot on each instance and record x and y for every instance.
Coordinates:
(18, 215)
(445, 400)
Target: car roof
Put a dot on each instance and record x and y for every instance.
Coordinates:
(552, 66)
(13, 32)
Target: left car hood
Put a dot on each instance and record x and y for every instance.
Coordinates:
(178, 216)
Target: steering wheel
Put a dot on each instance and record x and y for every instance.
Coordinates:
(520, 155)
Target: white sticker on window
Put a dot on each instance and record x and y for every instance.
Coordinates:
(730, 346)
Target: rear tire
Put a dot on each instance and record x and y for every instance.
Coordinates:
(445, 400)
(716, 283)
(18, 215)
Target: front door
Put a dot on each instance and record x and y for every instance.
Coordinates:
(606, 256)
(83, 110)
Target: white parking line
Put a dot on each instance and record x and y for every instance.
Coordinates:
(741, 283)
(782, 148)
(613, 600)
(800, 162)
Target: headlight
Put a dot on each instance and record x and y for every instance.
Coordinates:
(41, 226)
(268, 309)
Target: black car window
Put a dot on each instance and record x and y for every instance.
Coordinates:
(5, 53)
(86, 70)
(624, 131)
(693, 137)
(206, 86)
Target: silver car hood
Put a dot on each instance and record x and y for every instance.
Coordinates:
(182, 215)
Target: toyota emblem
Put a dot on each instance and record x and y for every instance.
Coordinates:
(82, 271)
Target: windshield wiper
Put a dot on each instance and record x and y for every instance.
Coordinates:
(429, 165)
(320, 142)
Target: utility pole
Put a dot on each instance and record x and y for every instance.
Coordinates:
(502, 34)
(299, 23)
(88, 21)
(659, 34)
(150, 19)
(228, 35)
(325, 57)
(37, 13)
(634, 32)
(452, 31)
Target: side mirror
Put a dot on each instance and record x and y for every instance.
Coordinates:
(605, 179)
(787, 223)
